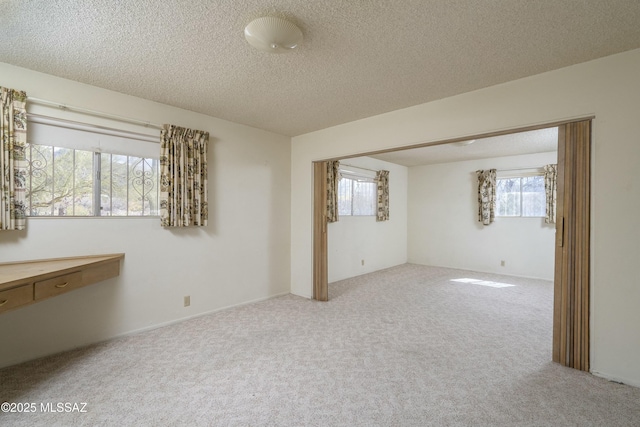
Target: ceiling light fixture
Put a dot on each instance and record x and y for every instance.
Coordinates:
(464, 143)
(271, 34)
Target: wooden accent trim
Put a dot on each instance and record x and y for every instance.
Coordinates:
(572, 269)
(559, 256)
(320, 263)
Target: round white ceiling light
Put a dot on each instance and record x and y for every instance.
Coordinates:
(464, 143)
(271, 34)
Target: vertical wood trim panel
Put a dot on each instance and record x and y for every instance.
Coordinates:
(567, 249)
(320, 263)
(558, 312)
(571, 298)
(579, 218)
(585, 253)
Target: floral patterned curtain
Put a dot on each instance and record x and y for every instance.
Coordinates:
(486, 195)
(382, 179)
(333, 176)
(550, 189)
(13, 163)
(183, 177)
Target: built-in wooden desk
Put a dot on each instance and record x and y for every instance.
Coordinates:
(27, 282)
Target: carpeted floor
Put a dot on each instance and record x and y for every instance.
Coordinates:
(404, 346)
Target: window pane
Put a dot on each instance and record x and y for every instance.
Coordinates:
(143, 184)
(156, 179)
(533, 196)
(63, 175)
(345, 187)
(105, 184)
(364, 198)
(136, 186)
(152, 189)
(508, 197)
(83, 181)
(119, 179)
(40, 188)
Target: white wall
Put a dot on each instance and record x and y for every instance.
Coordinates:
(241, 256)
(445, 232)
(356, 238)
(608, 88)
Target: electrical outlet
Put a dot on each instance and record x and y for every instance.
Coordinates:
(187, 301)
(362, 262)
(502, 263)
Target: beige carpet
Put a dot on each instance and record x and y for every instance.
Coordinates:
(401, 347)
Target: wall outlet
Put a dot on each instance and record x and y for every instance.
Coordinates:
(362, 262)
(502, 263)
(187, 301)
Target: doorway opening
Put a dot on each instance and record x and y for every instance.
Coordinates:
(572, 253)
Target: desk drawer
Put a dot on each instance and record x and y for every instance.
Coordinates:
(58, 285)
(15, 297)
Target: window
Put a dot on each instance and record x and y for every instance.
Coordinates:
(520, 196)
(82, 173)
(356, 194)
(129, 185)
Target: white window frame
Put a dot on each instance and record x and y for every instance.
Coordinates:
(518, 173)
(355, 174)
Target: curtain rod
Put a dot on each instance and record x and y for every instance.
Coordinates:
(519, 169)
(357, 167)
(93, 113)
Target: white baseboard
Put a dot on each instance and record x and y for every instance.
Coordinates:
(616, 379)
(193, 316)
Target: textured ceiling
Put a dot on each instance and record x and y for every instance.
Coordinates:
(537, 141)
(359, 58)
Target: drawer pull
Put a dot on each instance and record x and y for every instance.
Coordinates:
(62, 285)
(3, 302)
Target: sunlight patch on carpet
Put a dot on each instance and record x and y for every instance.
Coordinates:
(483, 283)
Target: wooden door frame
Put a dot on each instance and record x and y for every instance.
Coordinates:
(320, 256)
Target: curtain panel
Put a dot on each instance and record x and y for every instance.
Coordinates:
(382, 180)
(333, 177)
(13, 163)
(183, 177)
(486, 195)
(550, 190)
